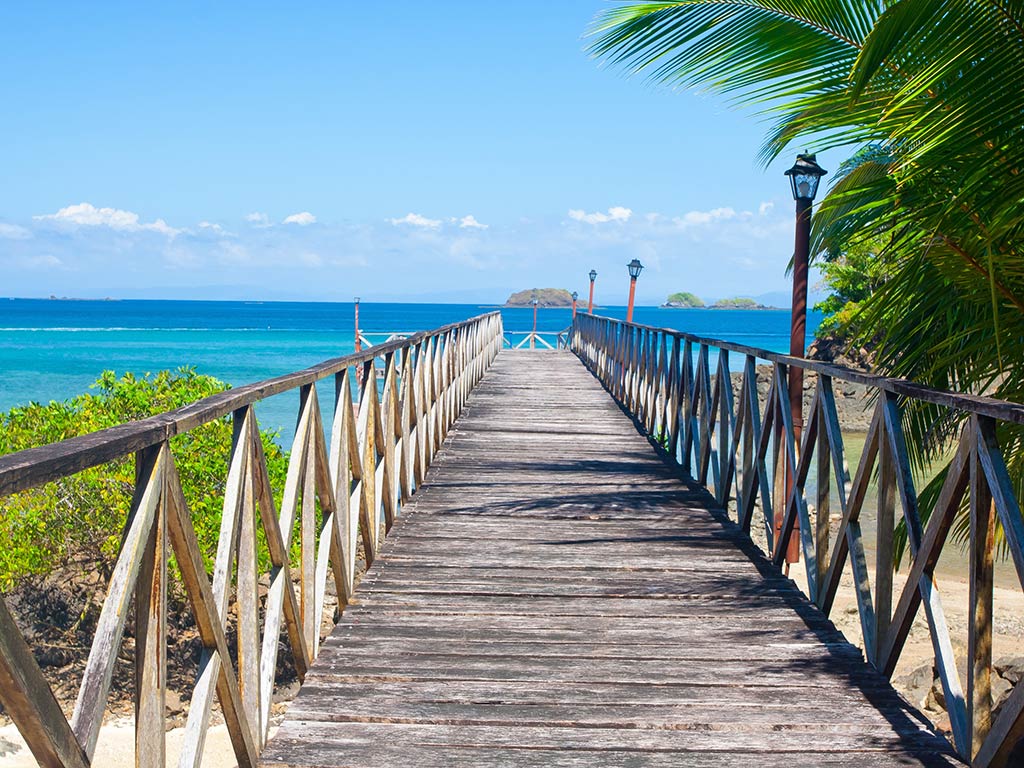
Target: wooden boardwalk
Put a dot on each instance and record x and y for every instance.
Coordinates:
(555, 595)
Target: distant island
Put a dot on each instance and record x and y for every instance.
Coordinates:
(738, 303)
(546, 297)
(684, 300)
(687, 300)
(71, 298)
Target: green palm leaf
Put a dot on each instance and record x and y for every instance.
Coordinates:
(931, 96)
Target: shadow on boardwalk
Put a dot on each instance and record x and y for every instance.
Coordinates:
(555, 595)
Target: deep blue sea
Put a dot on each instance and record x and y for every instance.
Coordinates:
(54, 349)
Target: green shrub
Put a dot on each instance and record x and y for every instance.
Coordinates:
(80, 518)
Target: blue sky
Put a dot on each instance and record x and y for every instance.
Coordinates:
(401, 150)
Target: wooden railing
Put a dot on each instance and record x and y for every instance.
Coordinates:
(740, 453)
(537, 339)
(374, 460)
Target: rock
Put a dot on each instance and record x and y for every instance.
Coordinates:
(173, 703)
(174, 710)
(53, 656)
(917, 684)
(936, 698)
(286, 691)
(1010, 669)
(942, 724)
(1000, 691)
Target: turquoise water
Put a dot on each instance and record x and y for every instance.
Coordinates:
(51, 350)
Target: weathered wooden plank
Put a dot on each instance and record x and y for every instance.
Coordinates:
(770, 741)
(151, 644)
(555, 590)
(92, 695)
(29, 701)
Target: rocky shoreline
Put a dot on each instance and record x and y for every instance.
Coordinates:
(854, 402)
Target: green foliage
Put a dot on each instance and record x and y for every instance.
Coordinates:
(736, 303)
(684, 299)
(852, 276)
(80, 518)
(930, 95)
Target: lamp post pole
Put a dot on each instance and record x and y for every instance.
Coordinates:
(634, 268)
(804, 177)
(533, 336)
(590, 304)
(359, 344)
(574, 297)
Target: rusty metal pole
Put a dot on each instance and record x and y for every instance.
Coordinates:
(797, 337)
(359, 347)
(803, 179)
(590, 304)
(359, 344)
(635, 268)
(533, 336)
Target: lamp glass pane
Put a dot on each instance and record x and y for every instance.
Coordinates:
(805, 185)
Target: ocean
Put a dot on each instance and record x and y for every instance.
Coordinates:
(54, 349)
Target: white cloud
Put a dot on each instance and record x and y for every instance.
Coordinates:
(212, 227)
(470, 222)
(416, 220)
(43, 261)
(311, 259)
(259, 219)
(615, 213)
(698, 218)
(14, 232)
(88, 215)
(303, 219)
(765, 208)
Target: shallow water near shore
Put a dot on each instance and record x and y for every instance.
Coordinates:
(54, 349)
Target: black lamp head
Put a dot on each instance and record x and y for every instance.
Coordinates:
(804, 177)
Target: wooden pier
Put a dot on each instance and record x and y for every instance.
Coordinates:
(556, 565)
(556, 595)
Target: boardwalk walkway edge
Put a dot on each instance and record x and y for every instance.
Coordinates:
(556, 595)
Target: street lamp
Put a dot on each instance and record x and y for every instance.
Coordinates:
(533, 336)
(359, 345)
(803, 179)
(590, 304)
(574, 297)
(634, 268)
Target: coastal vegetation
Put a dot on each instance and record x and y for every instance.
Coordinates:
(738, 302)
(683, 300)
(929, 95)
(75, 524)
(545, 297)
(686, 300)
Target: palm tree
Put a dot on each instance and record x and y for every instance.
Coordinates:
(928, 97)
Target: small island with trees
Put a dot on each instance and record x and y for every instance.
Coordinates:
(687, 300)
(546, 297)
(739, 302)
(684, 300)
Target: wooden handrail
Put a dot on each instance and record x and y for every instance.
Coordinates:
(35, 466)
(558, 339)
(752, 462)
(1003, 410)
(374, 460)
